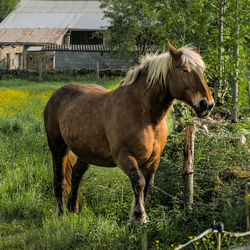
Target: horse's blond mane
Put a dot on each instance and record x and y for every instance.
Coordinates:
(157, 66)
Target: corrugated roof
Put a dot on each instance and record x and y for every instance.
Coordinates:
(75, 15)
(91, 47)
(31, 36)
(76, 47)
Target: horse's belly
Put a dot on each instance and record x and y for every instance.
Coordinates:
(103, 162)
(98, 158)
(96, 152)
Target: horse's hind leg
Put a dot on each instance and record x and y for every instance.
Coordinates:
(59, 152)
(77, 173)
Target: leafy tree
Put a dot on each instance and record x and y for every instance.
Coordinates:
(219, 25)
(6, 6)
(132, 23)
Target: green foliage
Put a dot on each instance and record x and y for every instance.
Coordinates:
(27, 202)
(188, 22)
(132, 23)
(6, 6)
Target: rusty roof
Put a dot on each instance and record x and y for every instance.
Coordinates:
(32, 36)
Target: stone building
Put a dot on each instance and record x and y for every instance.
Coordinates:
(26, 33)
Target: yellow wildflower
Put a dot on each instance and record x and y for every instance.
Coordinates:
(212, 242)
(156, 241)
(190, 237)
(208, 236)
(172, 245)
(204, 239)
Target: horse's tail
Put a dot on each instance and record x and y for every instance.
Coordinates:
(69, 162)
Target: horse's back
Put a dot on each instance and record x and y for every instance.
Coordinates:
(69, 93)
(74, 113)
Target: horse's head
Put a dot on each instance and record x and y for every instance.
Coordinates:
(186, 81)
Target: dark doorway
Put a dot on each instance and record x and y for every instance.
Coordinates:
(86, 37)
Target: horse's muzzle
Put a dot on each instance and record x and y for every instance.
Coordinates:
(204, 108)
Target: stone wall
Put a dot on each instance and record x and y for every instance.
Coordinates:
(36, 58)
(11, 57)
(84, 59)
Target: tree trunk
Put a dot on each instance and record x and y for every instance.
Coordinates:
(219, 82)
(234, 111)
(248, 87)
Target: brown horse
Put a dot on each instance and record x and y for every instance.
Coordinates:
(125, 127)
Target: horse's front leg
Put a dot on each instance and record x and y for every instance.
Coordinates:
(129, 166)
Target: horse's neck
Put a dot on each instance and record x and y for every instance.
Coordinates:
(157, 101)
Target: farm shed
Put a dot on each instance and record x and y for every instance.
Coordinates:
(61, 57)
(45, 22)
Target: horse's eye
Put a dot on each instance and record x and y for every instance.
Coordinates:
(185, 70)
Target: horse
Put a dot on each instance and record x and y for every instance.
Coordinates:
(125, 127)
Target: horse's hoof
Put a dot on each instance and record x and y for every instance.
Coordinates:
(135, 221)
(146, 220)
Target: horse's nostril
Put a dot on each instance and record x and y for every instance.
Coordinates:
(203, 104)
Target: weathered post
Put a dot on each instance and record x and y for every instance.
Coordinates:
(219, 240)
(40, 69)
(188, 166)
(97, 70)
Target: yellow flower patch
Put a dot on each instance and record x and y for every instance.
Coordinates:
(15, 101)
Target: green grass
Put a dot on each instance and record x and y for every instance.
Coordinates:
(28, 206)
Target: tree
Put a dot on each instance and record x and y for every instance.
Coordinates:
(6, 6)
(133, 24)
(220, 26)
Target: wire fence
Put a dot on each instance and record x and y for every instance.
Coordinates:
(216, 228)
(199, 169)
(207, 170)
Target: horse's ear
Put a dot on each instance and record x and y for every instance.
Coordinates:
(175, 54)
(197, 48)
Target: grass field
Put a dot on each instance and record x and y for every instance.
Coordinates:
(27, 203)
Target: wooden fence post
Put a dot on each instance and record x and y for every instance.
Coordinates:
(219, 240)
(40, 68)
(188, 166)
(97, 71)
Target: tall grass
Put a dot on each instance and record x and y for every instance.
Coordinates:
(27, 203)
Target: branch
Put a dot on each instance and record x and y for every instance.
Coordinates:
(174, 24)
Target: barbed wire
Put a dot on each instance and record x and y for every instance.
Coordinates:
(170, 195)
(234, 136)
(203, 170)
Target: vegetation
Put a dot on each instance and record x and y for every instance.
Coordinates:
(6, 6)
(27, 202)
(220, 26)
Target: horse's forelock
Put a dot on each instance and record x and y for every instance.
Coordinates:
(189, 56)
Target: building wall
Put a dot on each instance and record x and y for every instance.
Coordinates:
(82, 59)
(40, 60)
(11, 57)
